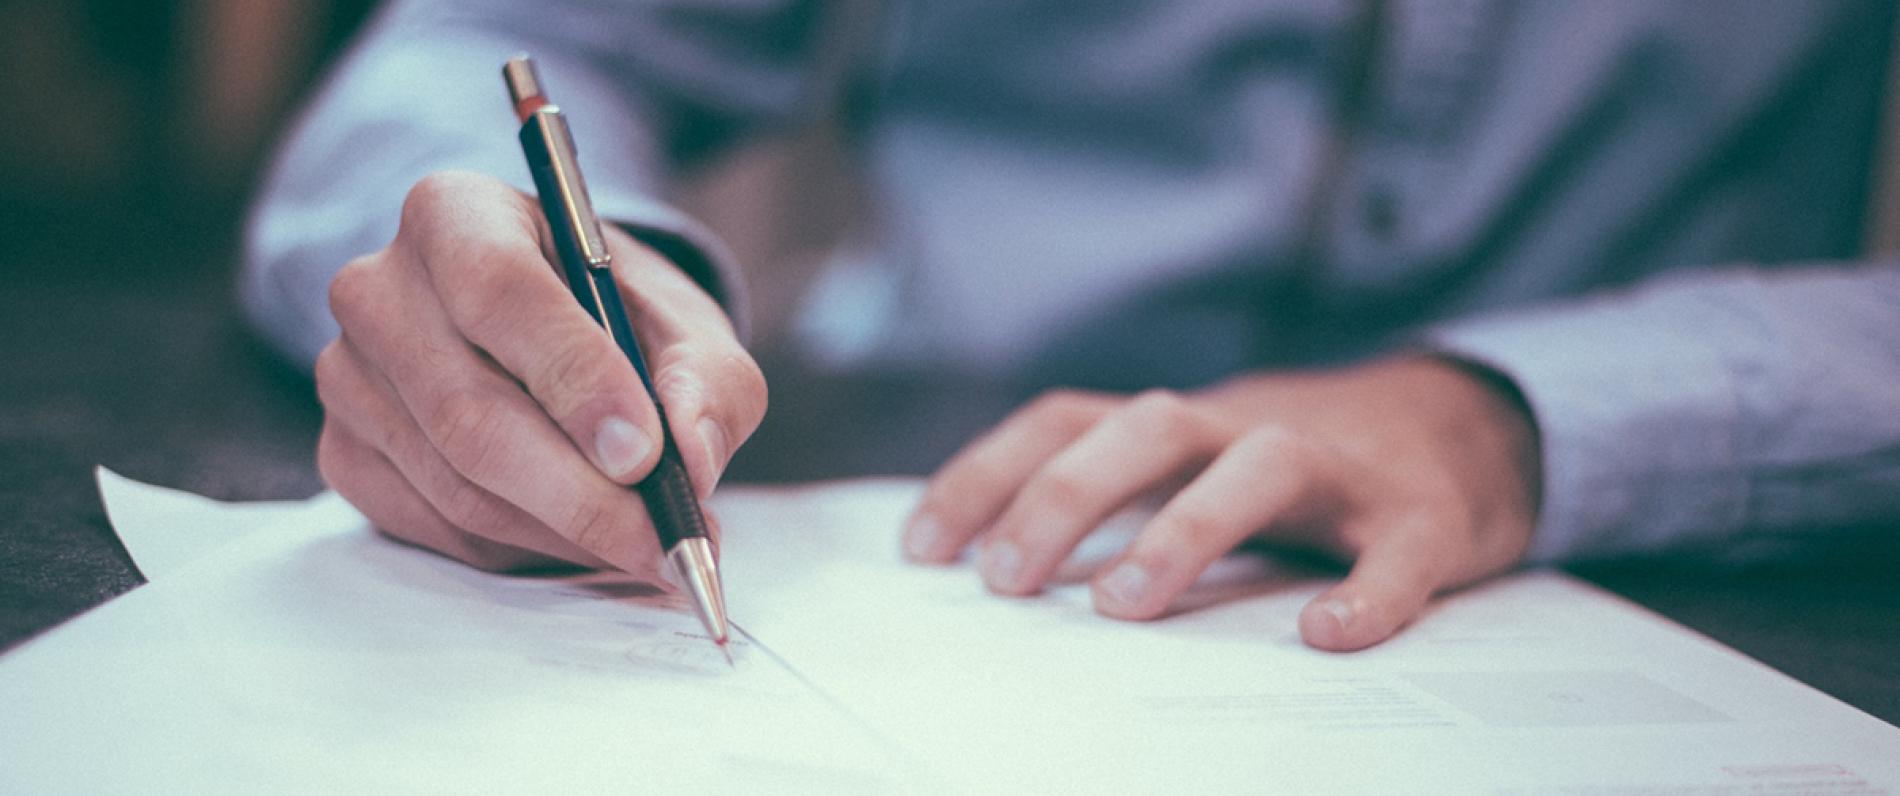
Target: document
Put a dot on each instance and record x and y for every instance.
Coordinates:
(310, 654)
(165, 530)
(1535, 683)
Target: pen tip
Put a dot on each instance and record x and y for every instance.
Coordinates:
(726, 651)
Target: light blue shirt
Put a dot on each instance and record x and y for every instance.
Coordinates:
(1639, 212)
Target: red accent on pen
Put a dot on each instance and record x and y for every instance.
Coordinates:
(526, 106)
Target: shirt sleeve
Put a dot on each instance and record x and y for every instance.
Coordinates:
(648, 88)
(1737, 414)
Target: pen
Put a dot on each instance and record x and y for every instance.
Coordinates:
(667, 492)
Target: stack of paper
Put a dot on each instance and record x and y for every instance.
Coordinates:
(308, 653)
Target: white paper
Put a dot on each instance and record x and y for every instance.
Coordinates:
(317, 656)
(1536, 682)
(166, 529)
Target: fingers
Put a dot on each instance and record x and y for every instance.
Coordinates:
(1264, 478)
(1077, 460)
(1145, 442)
(503, 295)
(1387, 587)
(477, 240)
(1419, 488)
(509, 408)
(714, 393)
(364, 407)
(481, 421)
(974, 487)
(366, 479)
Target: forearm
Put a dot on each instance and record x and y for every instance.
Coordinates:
(1729, 412)
(421, 94)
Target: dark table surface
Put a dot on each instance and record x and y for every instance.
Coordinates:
(151, 373)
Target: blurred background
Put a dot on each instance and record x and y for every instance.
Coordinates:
(134, 132)
(129, 120)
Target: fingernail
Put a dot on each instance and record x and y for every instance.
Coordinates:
(920, 537)
(1001, 563)
(1338, 610)
(1126, 584)
(713, 437)
(620, 446)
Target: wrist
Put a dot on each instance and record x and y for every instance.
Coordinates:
(699, 258)
(1494, 410)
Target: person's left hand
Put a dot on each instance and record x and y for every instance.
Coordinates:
(1424, 475)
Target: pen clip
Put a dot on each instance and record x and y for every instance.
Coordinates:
(534, 108)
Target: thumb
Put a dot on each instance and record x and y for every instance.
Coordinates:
(1387, 587)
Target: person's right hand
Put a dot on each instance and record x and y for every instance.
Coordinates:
(472, 407)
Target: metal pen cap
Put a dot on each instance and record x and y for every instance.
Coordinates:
(698, 570)
(532, 106)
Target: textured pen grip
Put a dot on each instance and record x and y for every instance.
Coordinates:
(669, 498)
(667, 492)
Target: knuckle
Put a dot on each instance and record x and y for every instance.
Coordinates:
(1164, 414)
(1056, 403)
(592, 526)
(978, 472)
(1063, 409)
(1272, 444)
(1058, 490)
(432, 194)
(328, 374)
(751, 390)
(733, 387)
(352, 289)
(448, 221)
(467, 506)
(569, 375)
(490, 282)
(733, 391)
(680, 389)
(1194, 528)
(1159, 399)
(459, 512)
(464, 428)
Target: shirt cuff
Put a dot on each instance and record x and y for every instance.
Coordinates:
(1637, 424)
(688, 244)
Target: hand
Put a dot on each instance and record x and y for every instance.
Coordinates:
(472, 407)
(1423, 474)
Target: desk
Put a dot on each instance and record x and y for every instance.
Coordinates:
(157, 379)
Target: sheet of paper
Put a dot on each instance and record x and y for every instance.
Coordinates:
(316, 656)
(320, 655)
(166, 529)
(1537, 683)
